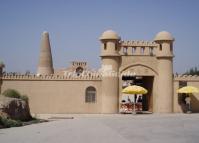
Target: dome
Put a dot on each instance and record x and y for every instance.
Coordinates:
(164, 35)
(109, 34)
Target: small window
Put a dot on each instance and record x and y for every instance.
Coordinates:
(171, 47)
(125, 50)
(79, 70)
(104, 46)
(90, 96)
(160, 47)
(133, 50)
(151, 51)
(142, 50)
(116, 47)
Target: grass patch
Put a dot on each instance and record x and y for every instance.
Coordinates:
(7, 123)
(34, 121)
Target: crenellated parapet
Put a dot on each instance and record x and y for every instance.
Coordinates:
(133, 47)
(186, 78)
(138, 43)
(52, 77)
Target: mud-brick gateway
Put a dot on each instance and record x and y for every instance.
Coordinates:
(86, 91)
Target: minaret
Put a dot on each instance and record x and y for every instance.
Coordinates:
(110, 65)
(164, 55)
(45, 66)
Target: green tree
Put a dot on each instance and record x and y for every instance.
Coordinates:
(192, 71)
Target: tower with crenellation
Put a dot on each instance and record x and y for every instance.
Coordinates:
(110, 59)
(164, 55)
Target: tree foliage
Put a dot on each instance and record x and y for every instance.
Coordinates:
(192, 71)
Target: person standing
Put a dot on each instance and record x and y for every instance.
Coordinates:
(139, 101)
(188, 104)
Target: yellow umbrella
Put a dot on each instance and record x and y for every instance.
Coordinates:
(134, 89)
(188, 89)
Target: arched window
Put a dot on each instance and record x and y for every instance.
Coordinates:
(90, 96)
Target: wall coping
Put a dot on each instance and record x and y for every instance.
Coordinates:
(138, 43)
(186, 78)
(51, 77)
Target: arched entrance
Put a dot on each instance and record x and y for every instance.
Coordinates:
(142, 75)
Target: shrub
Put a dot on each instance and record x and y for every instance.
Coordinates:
(24, 97)
(7, 123)
(11, 93)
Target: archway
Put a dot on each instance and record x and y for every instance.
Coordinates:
(142, 75)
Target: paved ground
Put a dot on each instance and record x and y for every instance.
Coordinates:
(154, 128)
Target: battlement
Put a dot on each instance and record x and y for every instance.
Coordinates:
(138, 43)
(146, 48)
(186, 78)
(52, 77)
(78, 63)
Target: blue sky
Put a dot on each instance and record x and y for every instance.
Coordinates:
(75, 26)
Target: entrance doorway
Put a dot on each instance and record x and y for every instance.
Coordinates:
(144, 81)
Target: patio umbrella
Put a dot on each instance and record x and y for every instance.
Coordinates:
(188, 90)
(134, 89)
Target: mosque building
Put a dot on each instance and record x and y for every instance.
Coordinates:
(79, 89)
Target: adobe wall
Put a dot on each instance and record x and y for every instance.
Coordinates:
(50, 94)
(191, 80)
(138, 53)
(139, 58)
